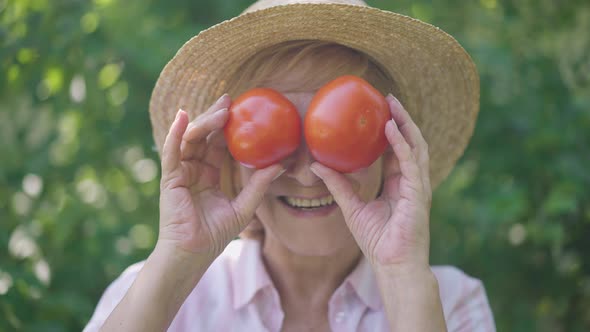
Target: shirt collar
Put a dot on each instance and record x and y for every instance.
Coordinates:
(362, 279)
(249, 273)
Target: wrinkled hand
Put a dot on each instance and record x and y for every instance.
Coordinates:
(195, 216)
(392, 230)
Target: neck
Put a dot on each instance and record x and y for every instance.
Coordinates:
(307, 279)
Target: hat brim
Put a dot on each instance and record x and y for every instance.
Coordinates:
(434, 76)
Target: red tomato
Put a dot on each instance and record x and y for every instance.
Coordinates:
(263, 128)
(345, 124)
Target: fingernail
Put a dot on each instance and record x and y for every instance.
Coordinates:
(178, 114)
(278, 175)
(395, 100)
(393, 123)
(220, 98)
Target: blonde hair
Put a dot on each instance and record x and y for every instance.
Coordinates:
(316, 63)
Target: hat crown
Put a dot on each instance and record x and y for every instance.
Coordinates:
(263, 4)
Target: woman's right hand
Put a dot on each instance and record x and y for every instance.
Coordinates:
(195, 216)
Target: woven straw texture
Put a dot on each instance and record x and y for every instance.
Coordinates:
(435, 78)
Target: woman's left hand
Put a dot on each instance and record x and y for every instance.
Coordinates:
(393, 229)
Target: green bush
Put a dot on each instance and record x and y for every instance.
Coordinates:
(79, 174)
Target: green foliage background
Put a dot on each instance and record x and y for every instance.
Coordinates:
(79, 175)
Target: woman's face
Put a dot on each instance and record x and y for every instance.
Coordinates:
(286, 212)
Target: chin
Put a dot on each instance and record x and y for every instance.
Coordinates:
(303, 235)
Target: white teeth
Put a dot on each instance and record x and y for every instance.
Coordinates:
(310, 203)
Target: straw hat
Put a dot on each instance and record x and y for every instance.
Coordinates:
(435, 78)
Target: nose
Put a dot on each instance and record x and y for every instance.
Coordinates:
(298, 167)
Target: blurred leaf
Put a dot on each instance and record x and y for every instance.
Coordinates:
(79, 174)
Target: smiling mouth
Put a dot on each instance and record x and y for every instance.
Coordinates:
(308, 204)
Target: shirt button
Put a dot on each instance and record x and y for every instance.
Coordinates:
(340, 317)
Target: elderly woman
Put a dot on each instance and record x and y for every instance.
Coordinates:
(320, 250)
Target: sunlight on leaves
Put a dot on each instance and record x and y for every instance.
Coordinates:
(462, 176)
(422, 12)
(26, 55)
(43, 271)
(89, 22)
(54, 79)
(78, 89)
(124, 245)
(22, 244)
(489, 4)
(5, 282)
(103, 3)
(32, 185)
(128, 199)
(132, 155)
(39, 5)
(142, 236)
(145, 170)
(118, 94)
(517, 234)
(108, 75)
(21, 203)
(13, 73)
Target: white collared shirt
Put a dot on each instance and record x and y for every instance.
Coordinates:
(237, 294)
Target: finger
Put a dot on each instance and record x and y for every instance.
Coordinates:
(341, 189)
(215, 156)
(216, 148)
(391, 174)
(407, 161)
(223, 102)
(424, 162)
(171, 149)
(194, 145)
(404, 122)
(204, 124)
(247, 201)
(199, 176)
(413, 136)
(407, 127)
(216, 138)
(210, 164)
